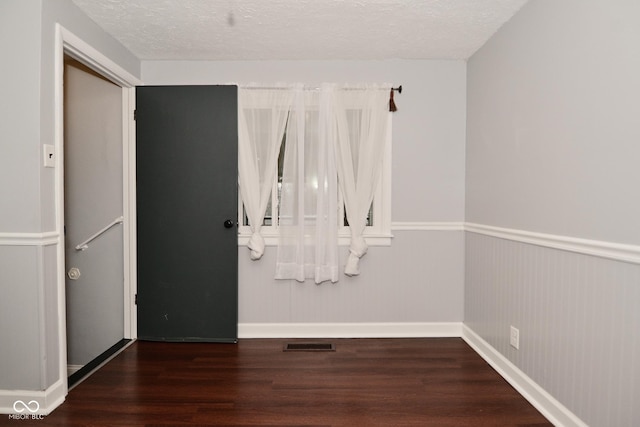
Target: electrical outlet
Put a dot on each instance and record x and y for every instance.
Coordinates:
(514, 338)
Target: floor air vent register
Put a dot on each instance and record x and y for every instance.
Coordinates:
(309, 346)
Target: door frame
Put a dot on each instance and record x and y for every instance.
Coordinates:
(67, 43)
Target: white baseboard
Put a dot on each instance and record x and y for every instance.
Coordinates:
(72, 369)
(349, 330)
(553, 410)
(46, 401)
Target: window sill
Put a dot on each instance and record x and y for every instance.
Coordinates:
(372, 239)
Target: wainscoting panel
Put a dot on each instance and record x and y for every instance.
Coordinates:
(418, 279)
(578, 317)
(30, 360)
(20, 358)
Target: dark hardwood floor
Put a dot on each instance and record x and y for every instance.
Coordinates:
(365, 382)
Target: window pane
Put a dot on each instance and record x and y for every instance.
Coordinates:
(268, 220)
(272, 213)
(267, 216)
(369, 217)
(245, 218)
(280, 168)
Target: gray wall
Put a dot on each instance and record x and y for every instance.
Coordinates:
(553, 125)
(20, 357)
(28, 260)
(552, 147)
(419, 278)
(20, 109)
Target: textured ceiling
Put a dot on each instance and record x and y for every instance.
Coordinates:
(301, 29)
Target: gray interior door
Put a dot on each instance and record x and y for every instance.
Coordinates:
(93, 199)
(187, 209)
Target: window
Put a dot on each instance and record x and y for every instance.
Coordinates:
(377, 232)
(336, 141)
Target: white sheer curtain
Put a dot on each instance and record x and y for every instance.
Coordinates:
(308, 227)
(362, 117)
(262, 116)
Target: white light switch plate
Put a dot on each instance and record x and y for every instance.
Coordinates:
(48, 154)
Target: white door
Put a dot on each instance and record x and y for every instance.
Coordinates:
(93, 199)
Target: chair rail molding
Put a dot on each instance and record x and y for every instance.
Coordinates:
(29, 239)
(427, 226)
(599, 248)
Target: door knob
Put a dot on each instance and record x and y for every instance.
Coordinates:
(228, 223)
(74, 273)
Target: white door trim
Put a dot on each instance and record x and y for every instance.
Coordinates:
(68, 43)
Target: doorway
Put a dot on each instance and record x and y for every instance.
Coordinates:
(69, 44)
(93, 216)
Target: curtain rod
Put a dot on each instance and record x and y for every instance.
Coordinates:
(396, 89)
(392, 104)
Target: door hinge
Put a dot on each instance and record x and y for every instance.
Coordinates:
(135, 299)
(135, 114)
